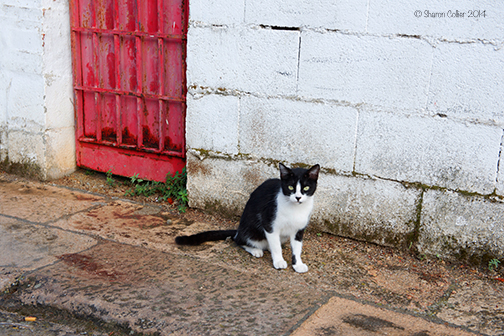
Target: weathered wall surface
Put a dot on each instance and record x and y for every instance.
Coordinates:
(36, 112)
(400, 103)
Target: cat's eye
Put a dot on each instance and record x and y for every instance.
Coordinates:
(306, 188)
(290, 188)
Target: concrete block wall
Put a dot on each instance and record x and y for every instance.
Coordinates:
(400, 103)
(36, 111)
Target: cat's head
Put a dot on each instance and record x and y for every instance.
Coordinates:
(298, 184)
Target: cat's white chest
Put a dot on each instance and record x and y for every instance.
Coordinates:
(291, 217)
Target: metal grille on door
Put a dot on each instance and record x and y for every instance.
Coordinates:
(129, 83)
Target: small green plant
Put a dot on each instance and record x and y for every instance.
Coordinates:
(110, 180)
(135, 179)
(493, 264)
(174, 189)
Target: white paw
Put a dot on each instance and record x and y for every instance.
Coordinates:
(280, 264)
(258, 253)
(300, 268)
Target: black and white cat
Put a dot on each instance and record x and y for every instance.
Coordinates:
(277, 211)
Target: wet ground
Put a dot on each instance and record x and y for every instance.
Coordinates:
(111, 262)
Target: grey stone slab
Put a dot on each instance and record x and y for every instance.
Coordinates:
(297, 131)
(379, 211)
(432, 151)
(42, 203)
(455, 225)
(150, 291)
(26, 246)
(477, 305)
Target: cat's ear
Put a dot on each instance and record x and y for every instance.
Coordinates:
(284, 171)
(313, 172)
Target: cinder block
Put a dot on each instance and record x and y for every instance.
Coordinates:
(250, 60)
(452, 20)
(432, 151)
(59, 152)
(383, 212)
(25, 103)
(217, 12)
(342, 15)
(212, 123)
(25, 41)
(297, 131)
(25, 147)
(365, 69)
(458, 226)
(465, 80)
(5, 79)
(21, 15)
(500, 175)
(22, 61)
(222, 185)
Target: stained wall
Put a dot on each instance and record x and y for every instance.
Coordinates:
(36, 111)
(400, 103)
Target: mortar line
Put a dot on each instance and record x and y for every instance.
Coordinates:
(238, 142)
(367, 16)
(355, 139)
(499, 159)
(298, 64)
(244, 11)
(429, 83)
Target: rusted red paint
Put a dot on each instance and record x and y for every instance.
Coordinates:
(129, 83)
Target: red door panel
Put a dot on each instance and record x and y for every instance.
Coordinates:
(130, 87)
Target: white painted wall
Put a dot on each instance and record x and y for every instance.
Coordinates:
(36, 111)
(402, 107)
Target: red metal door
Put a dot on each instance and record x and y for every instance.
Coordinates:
(129, 83)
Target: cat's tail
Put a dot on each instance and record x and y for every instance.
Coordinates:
(202, 237)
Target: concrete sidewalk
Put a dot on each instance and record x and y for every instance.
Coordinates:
(114, 262)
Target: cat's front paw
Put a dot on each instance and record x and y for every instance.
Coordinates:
(280, 264)
(300, 268)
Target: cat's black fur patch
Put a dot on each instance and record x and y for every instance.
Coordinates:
(299, 235)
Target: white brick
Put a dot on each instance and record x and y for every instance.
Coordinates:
(342, 15)
(365, 69)
(24, 16)
(21, 50)
(212, 123)
(218, 12)
(36, 110)
(378, 211)
(223, 185)
(60, 152)
(26, 147)
(5, 80)
(297, 131)
(25, 104)
(57, 67)
(465, 81)
(395, 17)
(456, 225)
(251, 60)
(431, 151)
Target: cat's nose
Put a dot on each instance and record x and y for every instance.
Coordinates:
(298, 198)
